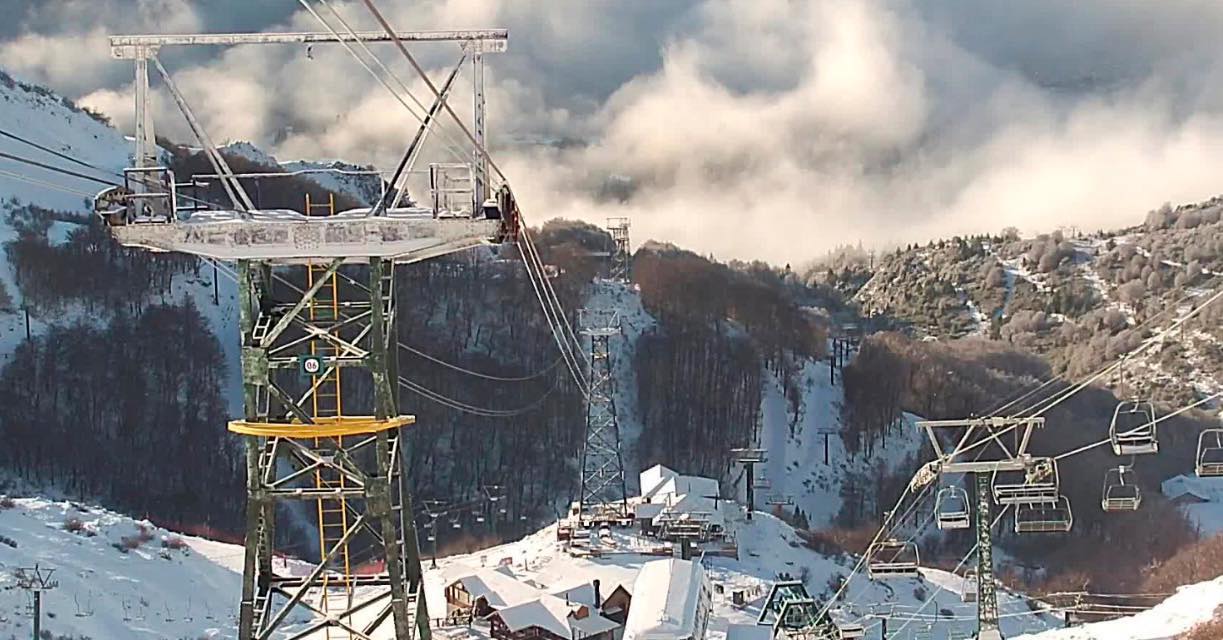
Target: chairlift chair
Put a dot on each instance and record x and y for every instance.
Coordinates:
(1132, 430)
(969, 594)
(844, 625)
(1040, 485)
(894, 557)
(1210, 454)
(1121, 491)
(952, 507)
(1055, 517)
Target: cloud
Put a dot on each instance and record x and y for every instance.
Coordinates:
(744, 128)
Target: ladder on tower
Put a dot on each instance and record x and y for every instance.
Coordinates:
(333, 513)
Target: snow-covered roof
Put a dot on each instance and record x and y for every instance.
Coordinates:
(648, 509)
(1208, 489)
(666, 595)
(545, 612)
(683, 485)
(584, 592)
(553, 614)
(592, 624)
(653, 478)
(695, 507)
(497, 588)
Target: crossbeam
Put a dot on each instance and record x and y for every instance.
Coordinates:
(132, 47)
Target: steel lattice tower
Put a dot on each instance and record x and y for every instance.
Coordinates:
(620, 254)
(987, 593)
(603, 487)
(303, 445)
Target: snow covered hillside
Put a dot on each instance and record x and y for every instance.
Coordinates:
(1191, 605)
(1071, 299)
(41, 117)
(118, 578)
(354, 181)
(796, 467)
(121, 578)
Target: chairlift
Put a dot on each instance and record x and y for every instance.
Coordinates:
(1040, 485)
(846, 626)
(1121, 491)
(1132, 431)
(1210, 454)
(894, 557)
(969, 594)
(1052, 517)
(952, 507)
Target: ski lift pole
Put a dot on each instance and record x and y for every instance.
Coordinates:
(987, 597)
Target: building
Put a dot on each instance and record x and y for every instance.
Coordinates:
(613, 605)
(674, 506)
(1186, 490)
(671, 601)
(548, 617)
(479, 593)
(1201, 499)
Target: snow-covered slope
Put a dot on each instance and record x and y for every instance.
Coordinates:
(42, 117)
(796, 448)
(1190, 606)
(162, 588)
(352, 180)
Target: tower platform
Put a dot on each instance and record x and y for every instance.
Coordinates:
(288, 237)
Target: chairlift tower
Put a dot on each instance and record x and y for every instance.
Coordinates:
(621, 254)
(603, 488)
(317, 314)
(749, 458)
(966, 458)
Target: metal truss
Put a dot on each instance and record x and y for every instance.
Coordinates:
(304, 446)
(603, 485)
(621, 255)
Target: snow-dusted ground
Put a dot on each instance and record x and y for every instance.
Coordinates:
(1190, 606)
(150, 592)
(795, 467)
(45, 119)
(768, 548)
(159, 592)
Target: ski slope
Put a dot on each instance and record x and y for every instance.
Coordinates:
(159, 591)
(1190, 606)
(152, 592)
(795, 468)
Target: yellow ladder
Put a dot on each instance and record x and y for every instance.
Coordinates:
(333, 516)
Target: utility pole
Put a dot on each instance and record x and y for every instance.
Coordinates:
(749, 458)
(36, 580)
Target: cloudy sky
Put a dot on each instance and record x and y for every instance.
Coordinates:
(744, 128)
